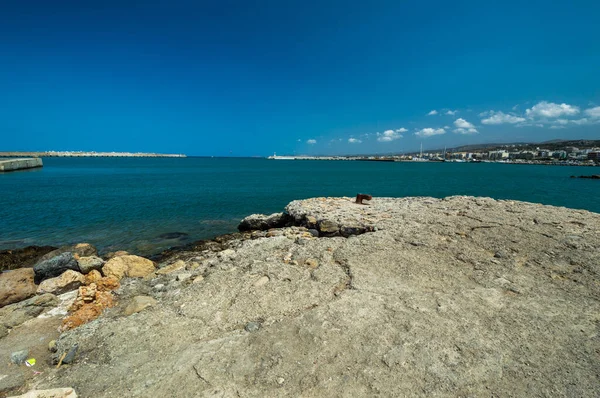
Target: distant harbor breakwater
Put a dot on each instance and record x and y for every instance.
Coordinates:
(89, 154)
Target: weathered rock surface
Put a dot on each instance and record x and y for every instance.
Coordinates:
(54, 266)
(78, 250)
(87, 264)
(455, 297)
(67, 281)
(139, 303)
(16, 285)
(128, 265)
(52, 393)
(25, 257)
(15, 314)
(263, 222)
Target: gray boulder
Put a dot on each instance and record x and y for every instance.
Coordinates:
(263, 222)
(55, 266)
(80, 249)
(87, 264)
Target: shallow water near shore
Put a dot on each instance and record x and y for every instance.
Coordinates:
(145, 205)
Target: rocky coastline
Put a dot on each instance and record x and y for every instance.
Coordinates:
(460, 296)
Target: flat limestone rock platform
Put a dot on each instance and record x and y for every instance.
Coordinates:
(450, 297)
(20, 164)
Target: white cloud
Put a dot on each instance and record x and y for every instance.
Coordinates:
(428, 132)
(561, 121)
(446, 127)
(580, 122)
(433, 112)
(390, 135)
(311, 141)
(500, 118)
(463, 124)
(552, 110)
(557, 127)
(401, 130)
(466, 131)
(354, 141)
(451, 112)
(593, 112)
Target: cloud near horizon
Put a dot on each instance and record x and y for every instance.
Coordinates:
(354, 141)
(593, 112)
(311, 141)
(500, 118)
(551, 110)
(433, 112)
(428, 132)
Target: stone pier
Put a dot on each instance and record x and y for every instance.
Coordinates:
(19, 164)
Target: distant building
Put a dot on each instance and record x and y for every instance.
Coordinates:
(497, 155)
(595, 156)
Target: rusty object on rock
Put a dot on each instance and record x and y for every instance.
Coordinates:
(362, 196)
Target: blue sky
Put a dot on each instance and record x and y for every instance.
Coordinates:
(329, 77)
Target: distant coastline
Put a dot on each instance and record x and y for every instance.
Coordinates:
(89, 154)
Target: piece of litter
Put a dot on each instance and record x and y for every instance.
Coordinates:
(35, 372)
(30, 362)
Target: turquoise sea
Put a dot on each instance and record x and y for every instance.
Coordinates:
(128, 203)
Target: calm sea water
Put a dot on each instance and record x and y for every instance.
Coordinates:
(128, 203)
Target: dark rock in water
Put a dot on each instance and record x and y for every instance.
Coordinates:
(592, 177)
(81, 249)
(263, 222)
(55, 266)
(21, 258)
(174, 235)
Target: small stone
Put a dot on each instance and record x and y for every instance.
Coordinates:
(184, 276)
(501, 254)
(138, 304)
(87, 264)
(52, 346)
(18, 357)
(311, 222)
(70, 357)
(177, 265)
(294, 262)
(94, 276)
(159, 287)
(280, 380)
(67, 281)
(128, 265)
(314, 232)
(328, 228)
(252, 326)
(263, 280)
(312, 263)
(198, 279)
